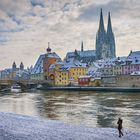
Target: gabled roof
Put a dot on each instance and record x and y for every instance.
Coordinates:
(134, 54)
(88, 53)
(38, 68)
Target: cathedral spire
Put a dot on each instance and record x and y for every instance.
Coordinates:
(109, 26)
(101, 38)
(82, 47)
(101, 23)
(110, 38)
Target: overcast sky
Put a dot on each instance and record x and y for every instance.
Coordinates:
(26, 27)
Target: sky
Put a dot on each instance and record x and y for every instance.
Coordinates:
(26, 27)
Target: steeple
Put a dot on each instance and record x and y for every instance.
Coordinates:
(82, 47)
(21, 66)
(101, 39)
(14, 66)
(101, 23)
(48, 49)
(110, 38)
(109, 26)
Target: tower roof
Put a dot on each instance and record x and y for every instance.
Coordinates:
(82, 47)
(101, 23)
(21, 65)
(109, 26)
(14, 65)
(48, 49)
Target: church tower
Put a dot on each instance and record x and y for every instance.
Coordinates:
(14, 66)
(21, 66)
(105, 41)
(101, 40)
(110, 38)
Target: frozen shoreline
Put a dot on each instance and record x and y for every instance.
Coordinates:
(20, 127)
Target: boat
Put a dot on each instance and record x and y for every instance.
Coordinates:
(39, 86)
(15, 88)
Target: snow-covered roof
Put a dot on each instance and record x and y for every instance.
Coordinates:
(85, 76)
(106, 63)
(52, 55)
(70, 55)
(87, 53)
(38, 68)
(92, 69)
(134, 54)
(72, 63)
(135, 73)
(95, 78)
(22, 127)
(132, 60)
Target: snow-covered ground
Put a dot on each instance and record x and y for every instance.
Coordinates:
(19, 127)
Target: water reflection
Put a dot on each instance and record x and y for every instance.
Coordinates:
(22, 103)
(85, 108)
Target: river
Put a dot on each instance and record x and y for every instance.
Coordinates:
(93, 109)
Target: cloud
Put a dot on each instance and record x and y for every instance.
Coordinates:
(3, 40)
(14, 18)
(38, 3)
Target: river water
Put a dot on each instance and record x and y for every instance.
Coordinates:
(93, 109)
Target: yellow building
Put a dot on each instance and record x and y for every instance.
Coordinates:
(75, 72)
(66, 74)
(61, 77)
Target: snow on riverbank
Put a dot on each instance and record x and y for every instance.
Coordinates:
(19, 127)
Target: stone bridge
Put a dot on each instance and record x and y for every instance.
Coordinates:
(25, 84)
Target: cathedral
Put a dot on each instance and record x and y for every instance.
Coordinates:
(105, 41)
(105, 45)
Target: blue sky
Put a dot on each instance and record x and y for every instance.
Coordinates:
(26, 27)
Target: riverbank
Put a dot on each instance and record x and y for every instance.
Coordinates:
(19, 127)
(104, 89)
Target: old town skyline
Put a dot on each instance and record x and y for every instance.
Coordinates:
(26, 27)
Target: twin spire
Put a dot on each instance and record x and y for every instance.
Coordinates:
(109, 26)
(105, 40)
(101, 23)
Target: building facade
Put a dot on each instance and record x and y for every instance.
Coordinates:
(50, 58)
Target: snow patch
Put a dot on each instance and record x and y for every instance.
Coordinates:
(19, 127)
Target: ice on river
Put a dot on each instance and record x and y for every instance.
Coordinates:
(20, 127)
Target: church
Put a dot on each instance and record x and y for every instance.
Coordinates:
(105, 45)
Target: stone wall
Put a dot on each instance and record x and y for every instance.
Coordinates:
(128, 80)
(121, 81)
